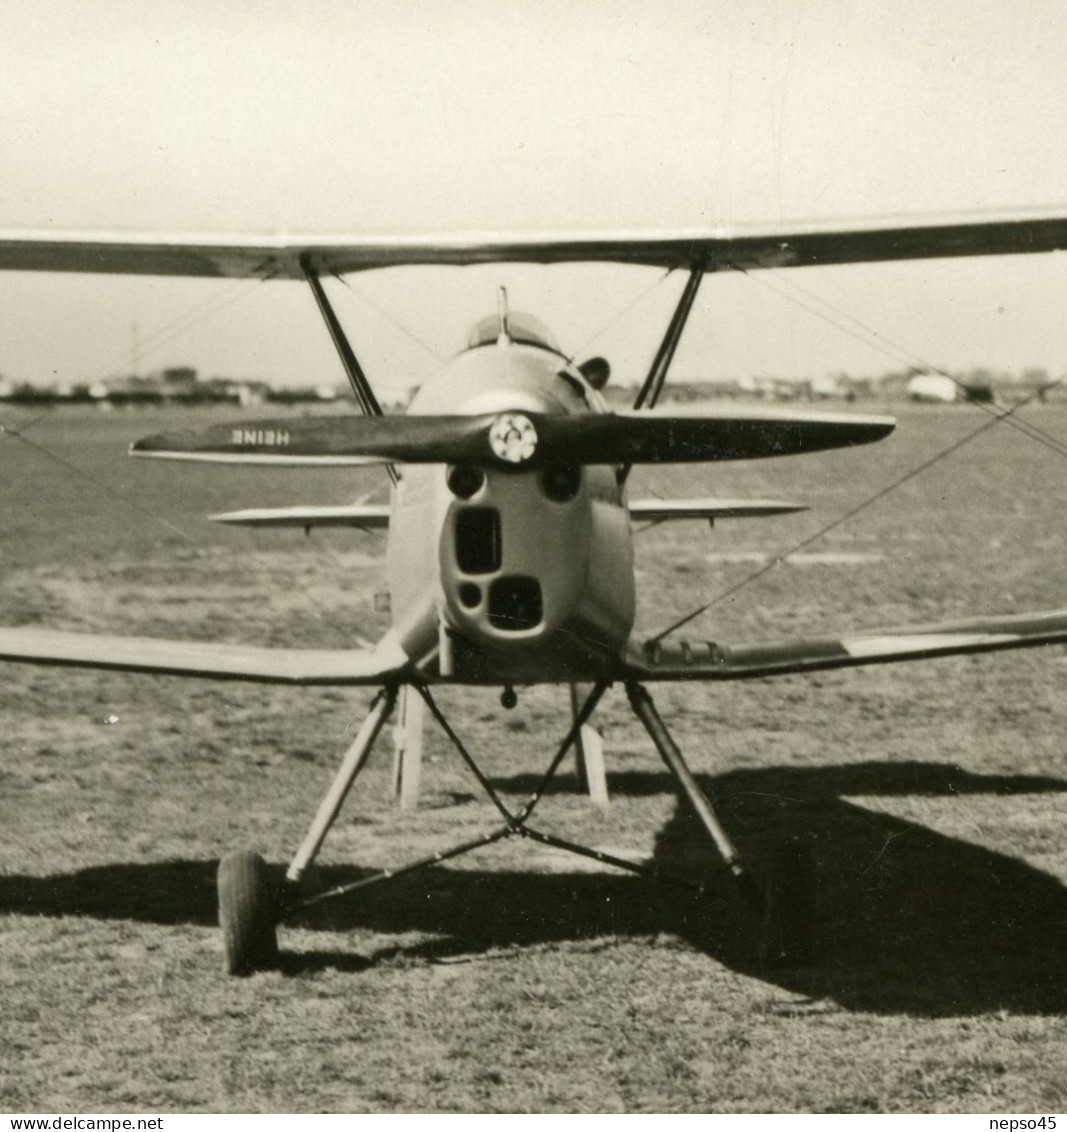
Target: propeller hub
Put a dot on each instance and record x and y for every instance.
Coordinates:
(513, 438)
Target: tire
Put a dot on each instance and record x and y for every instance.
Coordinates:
(247, 913)
(788, 933)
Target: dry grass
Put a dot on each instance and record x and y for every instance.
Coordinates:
(516, 980)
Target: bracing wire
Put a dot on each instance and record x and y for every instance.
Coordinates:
(184, 322)
(201, 311)
(851, 513)
(1026, 427)
(84, 475)
(390, 318)
(170, 330)
(869, 336)
(620, 314)
(177, 326)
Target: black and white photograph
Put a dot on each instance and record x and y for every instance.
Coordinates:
(532, 557)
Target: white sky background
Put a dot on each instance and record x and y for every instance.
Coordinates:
(177, 115)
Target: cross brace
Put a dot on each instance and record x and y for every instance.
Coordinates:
(515, 823)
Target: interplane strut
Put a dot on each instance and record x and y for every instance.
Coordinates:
(652, 387)
(361, 386)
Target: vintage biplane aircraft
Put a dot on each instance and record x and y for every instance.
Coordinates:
(509, 556)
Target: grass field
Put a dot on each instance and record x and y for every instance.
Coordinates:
(517, 980)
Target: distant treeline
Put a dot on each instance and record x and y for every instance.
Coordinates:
(26, 394)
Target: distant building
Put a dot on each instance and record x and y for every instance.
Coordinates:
(980, 392)
(179, 375)
(933, 388)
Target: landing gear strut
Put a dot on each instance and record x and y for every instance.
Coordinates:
(249, 905)
(786, 901)
(250, 909)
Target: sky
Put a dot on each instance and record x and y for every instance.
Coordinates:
(364, 118)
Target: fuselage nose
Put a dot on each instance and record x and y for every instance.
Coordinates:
(511, 572)
(514, 555)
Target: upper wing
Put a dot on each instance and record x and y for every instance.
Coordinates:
(708, 660)
(715, 249)
(364, 517)
(508, 439)
(210, 661)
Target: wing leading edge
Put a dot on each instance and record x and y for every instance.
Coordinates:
(209, 661)
(362, 516)
(683, 661)
(368, 517)
(667, 510)
(708, 660)
(713, 249)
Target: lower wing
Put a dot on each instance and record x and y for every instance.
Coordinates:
(665, 510)
(362, 516)
(208, 661)
(368, 517)
(708, 660)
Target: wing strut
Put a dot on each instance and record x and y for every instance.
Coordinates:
(356, 377)
(649, 392)
(657, 375)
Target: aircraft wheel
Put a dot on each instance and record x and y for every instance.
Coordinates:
(248, 913)
(788, 935)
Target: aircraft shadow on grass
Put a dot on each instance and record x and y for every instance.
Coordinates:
(910, 921)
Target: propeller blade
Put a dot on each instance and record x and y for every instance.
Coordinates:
(515, 439)
(651, 438)
(330, 441)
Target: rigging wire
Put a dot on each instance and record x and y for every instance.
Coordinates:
(619, 315)
(181, 323)
(83, 474)
(390, 318)
(850, 514)
(177, 326)
(208, 308)
(170, 330)
(333, 557)
(869, 336)
(910, 355)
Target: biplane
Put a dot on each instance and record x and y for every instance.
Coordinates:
(510, 559)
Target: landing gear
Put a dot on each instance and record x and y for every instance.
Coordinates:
(785, 902)
(250, 906)
(248, 912)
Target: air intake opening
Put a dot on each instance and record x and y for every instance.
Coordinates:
(478, 540)
(515, 604)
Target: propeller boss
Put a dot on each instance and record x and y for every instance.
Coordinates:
(513, 438)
